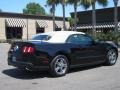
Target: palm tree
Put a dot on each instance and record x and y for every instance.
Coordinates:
(116, 20)
(75, 2)
(0, 10)
(63, 2)
(63, 7)
(116, 15)
(71, 22)
(87, 3)
(52, 3)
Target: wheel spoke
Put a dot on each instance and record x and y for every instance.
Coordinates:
(65, 65)
(57, 69)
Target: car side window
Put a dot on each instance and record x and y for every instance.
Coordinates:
(41, 37)
(79, 39)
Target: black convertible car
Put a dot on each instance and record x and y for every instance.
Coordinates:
(58, 51)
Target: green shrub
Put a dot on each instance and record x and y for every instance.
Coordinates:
(109, 37)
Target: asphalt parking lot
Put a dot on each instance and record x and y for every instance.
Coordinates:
(89, 78)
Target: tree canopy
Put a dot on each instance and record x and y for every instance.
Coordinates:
(0, 10)
(87, 3)
(34, 8)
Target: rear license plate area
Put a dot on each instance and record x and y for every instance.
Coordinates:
(14, 59)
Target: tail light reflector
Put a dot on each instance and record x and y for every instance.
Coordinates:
(28, 49)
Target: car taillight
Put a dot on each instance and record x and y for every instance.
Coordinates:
(28, 50)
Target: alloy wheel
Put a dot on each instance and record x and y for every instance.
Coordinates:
(112, 57)
(60, 66)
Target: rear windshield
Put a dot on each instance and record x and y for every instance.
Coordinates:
(41, 37)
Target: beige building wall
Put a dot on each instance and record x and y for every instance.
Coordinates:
(2, 29)
(24, 36)
(29, 29)
(50, 26)
(67, 25)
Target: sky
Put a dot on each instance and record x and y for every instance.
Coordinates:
(17, 6)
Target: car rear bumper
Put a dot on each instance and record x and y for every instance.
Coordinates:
(26, 65)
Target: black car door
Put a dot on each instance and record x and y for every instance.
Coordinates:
(84, 50)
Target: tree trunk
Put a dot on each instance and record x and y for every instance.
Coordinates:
(116, 20)
(53, 11)
(116, 15)
(63, 7)
(93, 19)
(75, 16)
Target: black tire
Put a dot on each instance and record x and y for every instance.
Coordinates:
(111, 57)
(59, 66)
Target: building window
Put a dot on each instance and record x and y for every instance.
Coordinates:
(40, 30)
(14, 32)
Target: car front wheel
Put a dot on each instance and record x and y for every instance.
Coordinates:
(59, 66)
(111, 57)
